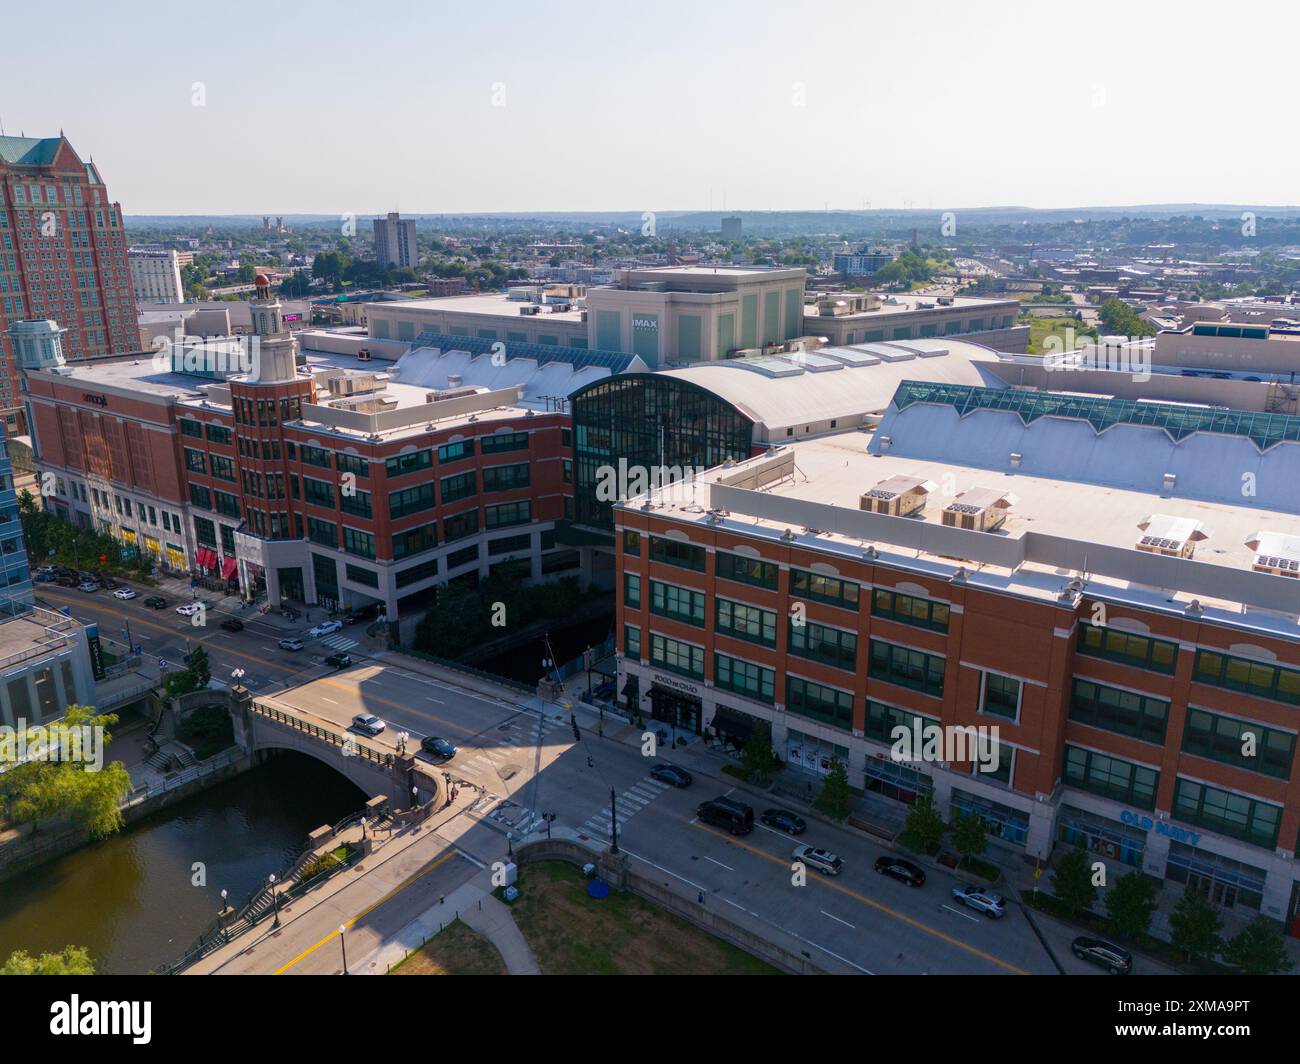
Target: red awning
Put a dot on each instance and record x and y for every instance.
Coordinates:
(207, 559)
(228, 568)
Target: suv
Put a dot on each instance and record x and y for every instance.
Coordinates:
(901, 870)
(736, 817)
(233, 624)
(984, 901)
(827, 863)
(1103, 954)
(291, 644)
(156, 602)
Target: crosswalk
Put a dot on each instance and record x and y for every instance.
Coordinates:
(339, 642)
(629, 803)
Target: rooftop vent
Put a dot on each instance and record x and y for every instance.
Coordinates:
(1276, 553)
(899, 496)
(355, 384)
(1174, 537)
(1169, 480)
(979, 509)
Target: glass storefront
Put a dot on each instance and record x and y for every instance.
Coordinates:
(679, 710)
(1000, 821)
(1224, 882)
(1097, 834)
(900, 783)
(809, 752)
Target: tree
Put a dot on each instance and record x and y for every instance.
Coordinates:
(1072, 882)
(924, 828)
(200, 666)
(835, 797)
(968, 837)
(71, 960)
(1120, 319)
(1194, 927)
(1131, 903)
(757, 757)
(1258, 949)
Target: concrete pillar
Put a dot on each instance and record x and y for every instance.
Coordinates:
(535, 559)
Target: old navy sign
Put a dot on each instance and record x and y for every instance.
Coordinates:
(1161, 827)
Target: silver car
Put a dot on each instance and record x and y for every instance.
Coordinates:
(827, 863)
(984, 901)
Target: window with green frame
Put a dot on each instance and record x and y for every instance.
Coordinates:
(742, 621)
(632, 641)
(195, 461)
(355, 502)
(676, 656)
(411, 500)
(1001, 696)
(882, 720)
(907, 668)
(503, 441)
(631, 542)
(318, 492)
(358, 575)
(201, 496)
(411, 462)
(828, 589)
(674, 552)
(908, 609)
(454, 452)
(458, 526)
(1111, 777)
(680, 603)
(744, 678)
(506, 477)
(362, 544)
(351, 463)
(415, 540)
(816, 701)
(314, 456)
(632, 590)
(1237, 815)
(459, 486)
(1122, 712)
(830, 646)
(1258, 678)
(506, 514)
(746, 570)
(1226, 739)
(1126, 648)
(325, 533)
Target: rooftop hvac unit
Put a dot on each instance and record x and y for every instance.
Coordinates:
(898, 496)
(1276, 553)
(978, 509)
(530, 309)
(363, 354)
(1174, 537)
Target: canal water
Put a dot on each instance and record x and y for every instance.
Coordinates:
(132, 899)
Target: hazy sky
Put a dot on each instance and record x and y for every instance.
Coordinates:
(329, 107)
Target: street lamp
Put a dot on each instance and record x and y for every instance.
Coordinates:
(344, 945)
(224, 906)
(275, 900)
(415, 796)
(363, 829)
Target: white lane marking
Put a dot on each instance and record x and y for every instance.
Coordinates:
(974, 919)
(718, 863)
(666, 871)
(471, 860)
(738, 906)
(830, 953)
(440, 702)
(837, 919)
(329, 700)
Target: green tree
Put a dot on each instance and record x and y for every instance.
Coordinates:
(1131, 903)
(200, 666)
(1258, 949)
(757, 756)
(1072, 882)
(968, 837)
(1118, 318)
(71, 960)
(835, 798)
(924, 828)
(1194, 927)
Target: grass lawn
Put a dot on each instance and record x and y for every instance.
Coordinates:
(1041, 328)
(573, 934)
(455, 950)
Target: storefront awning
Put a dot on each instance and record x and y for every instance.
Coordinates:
(206, 559)
(228, 568)
(735, 725)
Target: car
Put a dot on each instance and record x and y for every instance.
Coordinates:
(156, 602)
(437, 747)
(88, 586)
(107, 581)
(1098, 951)
(339, 661)
(291, 644)
(784, 820)
(671, 774)
(901, 870)
(68, 580)
(722, 812)
(324, 628)
(189, 609)
(46, 578)
(368, 723)
(990, 904)
(827, 863)
(124, 593)
(233, 624)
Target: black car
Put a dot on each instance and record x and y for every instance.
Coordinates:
(437, 747)
(671, 774)
(1098, 951)
(903, 871)
(233, 624)
(156, 602)
(339, 661)
(784, 820)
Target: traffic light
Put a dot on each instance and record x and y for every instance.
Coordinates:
(577, 735)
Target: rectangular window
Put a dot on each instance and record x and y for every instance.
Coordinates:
(459, 525)
(195, 461)
(506, 478)
(191, 428)
(1236, 815)
(1111, 777)
(826, 589)
(205, 532)
(222, 468)
(746, 570)
(882, 720)
(219, 434)
(201, 496)
(503, 441)
(356, 503)
(742, 621)
(506, 514)
(744, 678)
(1001, 696)
(462, 557)
(362, 544)
(632, 590)
(676, 656)
(508, 544)
(454, 452)
(425, 570)
(318, 492)
(227, 504)
(1122, 712)
(632, 641)
(918, 612)
(415, 540)
(325, 533)
(460, 486)
(632, 543)
(674, 552)
(359, 575)
(1225, 738)
(314, 456)
(350, 463)
(818, 702)
(830, 646)
(410, 501)
(1250, 677)
(1140, 651)
(907, 668)
(679, 603)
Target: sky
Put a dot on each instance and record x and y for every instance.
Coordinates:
(439, 107)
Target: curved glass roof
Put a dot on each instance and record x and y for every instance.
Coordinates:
(1265, 430)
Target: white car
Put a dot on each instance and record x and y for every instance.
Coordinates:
(368, 723)
(981, 900)
(189, 609)
(325, 628)
(124, 593)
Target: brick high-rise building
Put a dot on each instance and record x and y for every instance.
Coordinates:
(62, 255)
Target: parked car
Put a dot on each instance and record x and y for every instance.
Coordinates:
(68, 580)
(124, 593)
(981, 900)
(291, 644)
(827, 863)
(324, 628)
(671, 774)
(722, 812)
(88, 586)
(901, 870)
(339, 661)
(106, 580)
(189, 609)
(1098, 951)
(46, 577)
(784, 820)
(156, 602)
(437, 747)
(362, 613)
(368, 723)
(233, 624)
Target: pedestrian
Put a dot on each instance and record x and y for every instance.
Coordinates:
(701, 898)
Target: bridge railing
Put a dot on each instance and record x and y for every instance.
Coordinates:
(347, 743)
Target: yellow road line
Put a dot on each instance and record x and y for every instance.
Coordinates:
(369, 909)
(874, 904)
